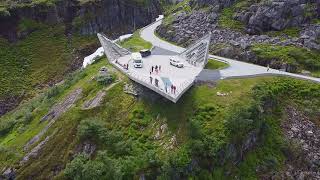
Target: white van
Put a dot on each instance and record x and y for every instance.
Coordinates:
(137, 60)
(175, 62)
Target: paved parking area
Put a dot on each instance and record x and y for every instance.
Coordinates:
(167, 75)
(160, 51)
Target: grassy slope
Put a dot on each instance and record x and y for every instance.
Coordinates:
(42, 57)
(213, 64)
(135, 43)
(115, 113)
(300, 57)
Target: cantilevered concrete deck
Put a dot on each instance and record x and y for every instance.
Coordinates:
(194, 59)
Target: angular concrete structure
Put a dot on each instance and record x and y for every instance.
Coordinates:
(157, 73)
(197, 53)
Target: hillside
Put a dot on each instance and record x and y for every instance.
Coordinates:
(282, 34)
(204, 134)
(61, 121)
(43, 41)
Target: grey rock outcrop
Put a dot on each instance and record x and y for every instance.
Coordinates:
(277, 15)
(304, 137)
(112, 16)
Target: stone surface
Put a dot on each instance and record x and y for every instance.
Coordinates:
(304, 137)
(94, 102)
(53, 115)
(113, 16)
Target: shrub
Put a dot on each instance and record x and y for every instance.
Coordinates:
(103, 167)
(105, 79)
(6, 125)
(75, 167)
(91, 129)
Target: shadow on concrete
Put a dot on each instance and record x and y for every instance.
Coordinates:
(160, 51)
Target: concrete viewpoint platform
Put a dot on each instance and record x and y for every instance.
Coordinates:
(194, 59)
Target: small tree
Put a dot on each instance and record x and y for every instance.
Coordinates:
(105, 79)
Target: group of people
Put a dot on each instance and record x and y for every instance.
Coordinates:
(173, 89)
(156, 81)
(125, 66)
(156, 69)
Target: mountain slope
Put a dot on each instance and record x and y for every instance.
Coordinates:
(243, 29)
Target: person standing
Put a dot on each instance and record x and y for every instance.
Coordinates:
(152, 69)
(165, 86)
(268, 67)
(159, 67)
(150, 80)
(156, 82)
(174, 89)
(156, 68)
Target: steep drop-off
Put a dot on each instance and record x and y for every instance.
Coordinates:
(87, 17)
(41, 42)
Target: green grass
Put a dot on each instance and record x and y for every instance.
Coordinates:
(43, 56)
(134, 123)
(39, 106)
(169, 12)
(116, 112)
(292, 32)
(181, 6)
(213, 64)
(136, 43)
(299, 57)
(315, 21)
(226, 19)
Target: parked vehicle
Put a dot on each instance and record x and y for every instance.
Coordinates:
(137, 60)
(145, 52)
(176, 63)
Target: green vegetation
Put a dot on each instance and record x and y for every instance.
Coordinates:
(297, 57)
(316, 21)
(292, 32)
(122, 127)
(214, 64)
(183, 6)
(10, 4)
(226, 20)
(136, 43)
(202, 136)
(44, 56)
(128, 136)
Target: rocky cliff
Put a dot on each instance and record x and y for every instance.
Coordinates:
(30, 23)
(237, 26)
(89, 17)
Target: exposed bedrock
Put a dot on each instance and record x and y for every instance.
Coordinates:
(117, 16)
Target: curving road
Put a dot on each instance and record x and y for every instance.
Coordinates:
(235, 69)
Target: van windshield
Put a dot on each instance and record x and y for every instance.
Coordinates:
(137, 61)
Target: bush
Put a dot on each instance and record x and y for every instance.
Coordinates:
(52, 92)
(105, 79)
(91, 129)
(75, 167)
(6, 125)
(103, 167)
